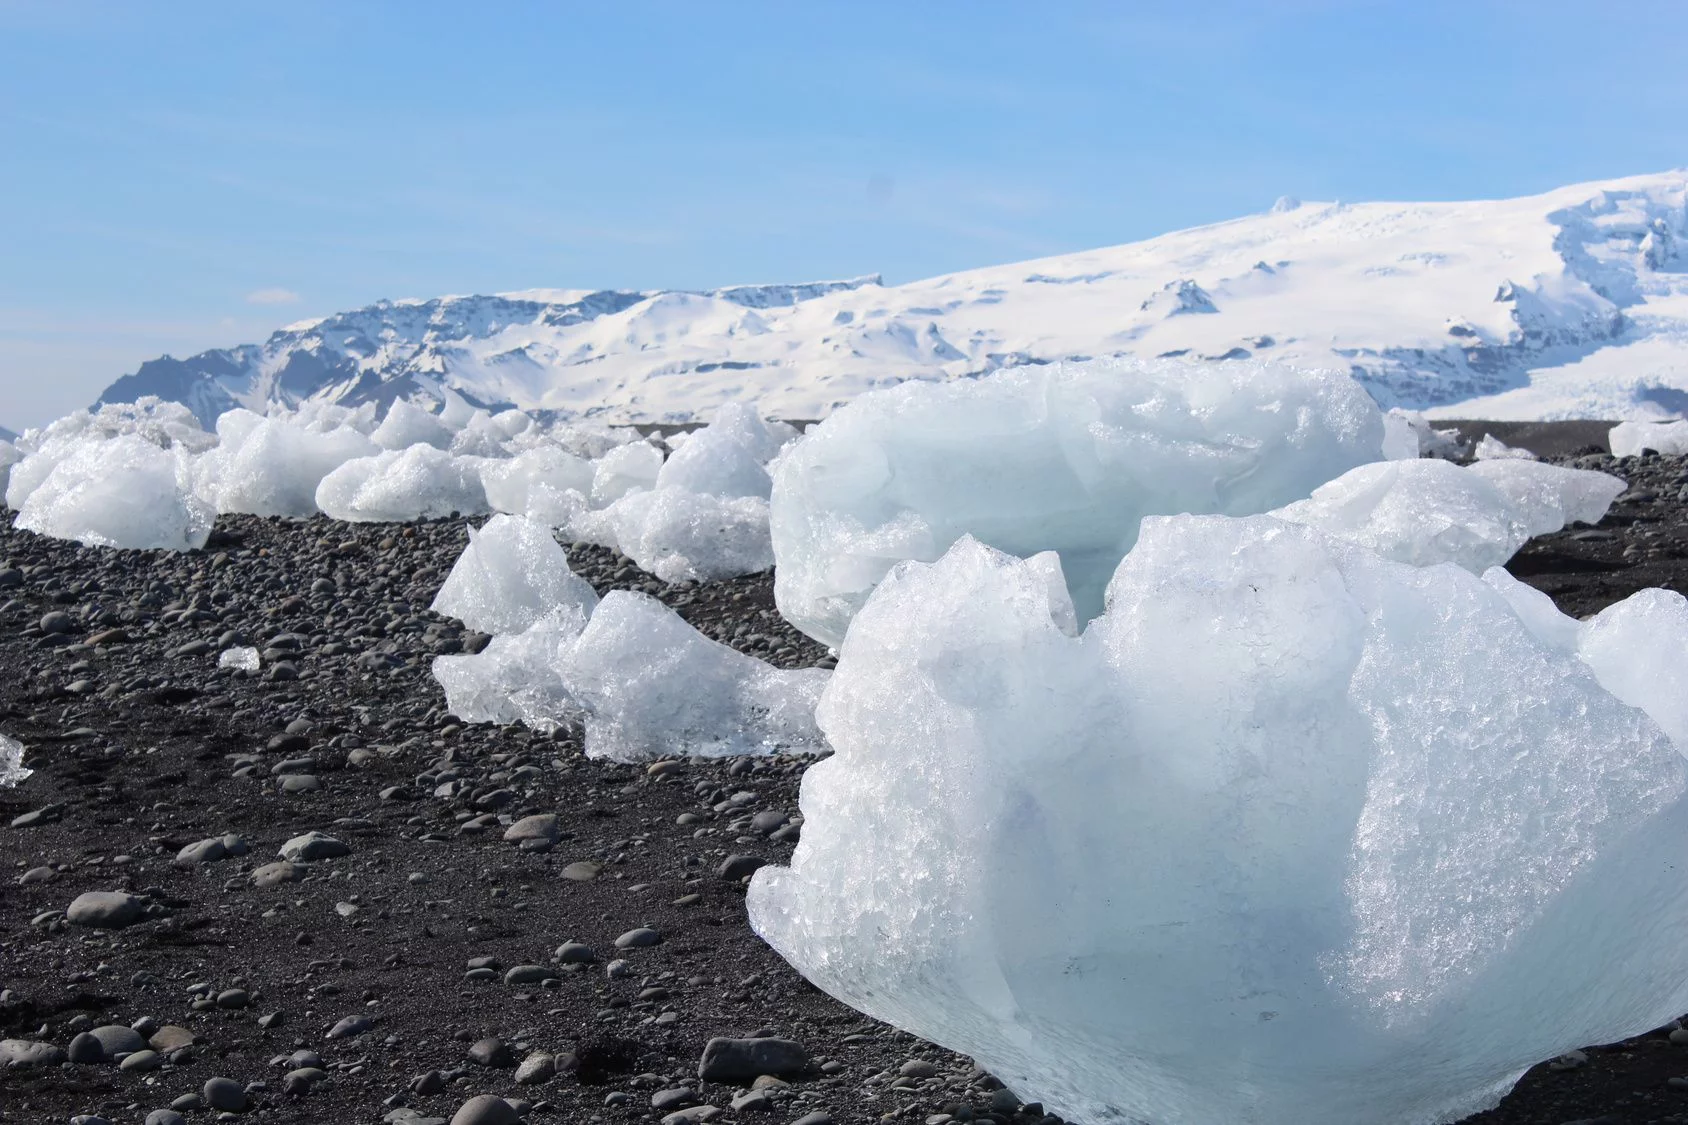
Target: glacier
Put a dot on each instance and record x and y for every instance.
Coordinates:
(1291, 834)
(1064, 457)
(1568, 304)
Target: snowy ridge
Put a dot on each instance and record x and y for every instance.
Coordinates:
(1573, 303)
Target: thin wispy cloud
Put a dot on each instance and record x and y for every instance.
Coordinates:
(272, 296)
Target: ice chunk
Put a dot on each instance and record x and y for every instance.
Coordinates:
(241, 659)
(419, 483)
(624, 469)
(510, 575)
(407, 424)
(726, 457)
(1293, 834)
(1400, 440)
(12, 769)
(516, 678)
(1491, 448)
(510, 483)
(1065, 457)
(1446, 444)
(1629, 439)
(1430, 511)
(10, 455)
(272, 466)
(680, 536)
(122, 491)
(652, 685)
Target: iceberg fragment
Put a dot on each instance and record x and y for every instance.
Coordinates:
(1292, 834)
(1066, 457)
(1429, 511)
(122, 491)
(418, 483)
(652, 685)
(510, 575)
(12, 771)
(1630, 439)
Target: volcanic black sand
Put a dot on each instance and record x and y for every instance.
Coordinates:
(417, 970)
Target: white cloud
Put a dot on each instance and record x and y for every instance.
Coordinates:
(272, 296)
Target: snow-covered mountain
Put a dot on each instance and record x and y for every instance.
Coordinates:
(1573, 303)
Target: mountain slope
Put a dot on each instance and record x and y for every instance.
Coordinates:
(1573, 303)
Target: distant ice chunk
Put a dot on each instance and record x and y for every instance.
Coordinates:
(1400, 440)
(272, 466)
(1491, 448)
(1066, 457)
(1292, 835)
(418, 483)
(1446, 444)
(517, 677)
(510, 482)
(407, 424)
(727, 457)
(510, 575)
(12, 771)
(241, 658)
(681, 536)
(625, 469)
(1629, 439)
(122, 491)
(1431, 511)
(651, 685)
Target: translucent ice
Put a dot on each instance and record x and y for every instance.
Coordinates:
(1491, 448)
(624, 469)
(651, 685)
(420, 482)
(510, 482)
(122, 491)
(510, 575)
(679, 535)
(272, 466)
(407, 424)
(727, 457)
(1628, 439)
(12, 769)
(241, 658)
(1293, 834)
(1066, 457)
(516, 678)
(1430, 511)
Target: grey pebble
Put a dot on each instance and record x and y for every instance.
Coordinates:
(106, 910)
(225, 1094)
(313, 846)
(485, 1109)
(740, 1060)
(638, 939)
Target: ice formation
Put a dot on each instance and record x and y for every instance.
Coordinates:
(1430, 511)
(510, 484)
(121, 491)
(421, 482)
(651, 685)
(511, 574)
(516, 678)
(407, 424)
(1491, 448)
(681, 536)
(1446, 444)
(624, 469)
(242, 658)
(12, 770)
(272, 466)
(1065, 457)
(727, 457)
(1293, 834)
(642, 682)
(1629, 439)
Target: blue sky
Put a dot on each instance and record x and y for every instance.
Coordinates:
(186, 175)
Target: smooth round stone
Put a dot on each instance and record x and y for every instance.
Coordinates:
(486, 1109)
(233, 998)
(492, 1052)
(300, 1081)
(576, 953)
(224, 1094)
(299, 783)
(638, 939)
(165, 1117)
(582, 871)
(119, 1040)
(541, 826)
(142, 1061)
(106, 910)
(85, 1050)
